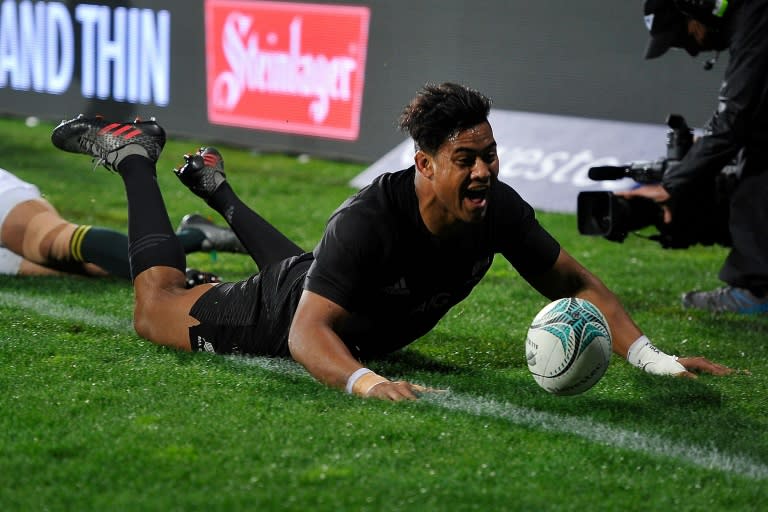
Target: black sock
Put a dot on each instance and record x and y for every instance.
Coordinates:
(261, 239)
(108, 248)
(103, 247)
(151, 240)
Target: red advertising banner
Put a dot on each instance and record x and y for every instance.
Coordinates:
(286, 67)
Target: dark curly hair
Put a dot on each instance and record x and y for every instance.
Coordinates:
(441, 111)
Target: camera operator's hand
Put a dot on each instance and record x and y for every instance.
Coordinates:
(656, 193)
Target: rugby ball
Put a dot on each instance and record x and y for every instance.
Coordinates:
(568, 346)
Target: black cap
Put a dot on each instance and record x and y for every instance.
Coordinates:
(666, 24)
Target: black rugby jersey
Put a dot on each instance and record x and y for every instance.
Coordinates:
(379, 262)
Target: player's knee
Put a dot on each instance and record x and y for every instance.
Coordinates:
(142, 327)
(145, 319)
(153, 315)
(161, 306)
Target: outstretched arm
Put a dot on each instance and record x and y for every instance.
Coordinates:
(568, 278)
(315, 344)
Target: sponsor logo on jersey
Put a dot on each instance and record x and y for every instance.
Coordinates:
(204, 345)
(398, 288)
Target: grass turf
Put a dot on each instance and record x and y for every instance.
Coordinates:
(95, 418)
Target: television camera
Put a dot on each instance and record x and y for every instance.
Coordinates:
(701, 217)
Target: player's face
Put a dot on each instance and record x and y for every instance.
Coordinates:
(465, 166)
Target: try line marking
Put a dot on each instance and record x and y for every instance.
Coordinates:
(706, 457)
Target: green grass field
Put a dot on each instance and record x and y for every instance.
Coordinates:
(95, 418)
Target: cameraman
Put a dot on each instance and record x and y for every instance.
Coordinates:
(737, 129)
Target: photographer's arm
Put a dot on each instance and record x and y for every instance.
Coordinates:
(568, 278)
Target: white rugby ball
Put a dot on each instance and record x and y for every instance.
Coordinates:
(568, 346)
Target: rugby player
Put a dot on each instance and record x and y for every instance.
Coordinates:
(394, 258)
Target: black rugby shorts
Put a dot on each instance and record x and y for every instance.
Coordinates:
(252, 316)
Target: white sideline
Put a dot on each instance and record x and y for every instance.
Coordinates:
(46, 307)
(706, 457)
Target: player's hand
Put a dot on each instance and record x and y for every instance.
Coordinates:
(397, 391)
(656, 193)
(699, 364)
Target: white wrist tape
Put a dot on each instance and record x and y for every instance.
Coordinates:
(355, 377)
(362, 382)
(643, 354)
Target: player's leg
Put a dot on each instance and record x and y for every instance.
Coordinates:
(157, 259)
(30, 228)
(36, 231)
(45, 243)
(11, 264)
(203, 174)
(29, 268)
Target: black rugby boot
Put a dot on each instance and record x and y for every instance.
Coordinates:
(216, 238)
(109, 142)
(203, 172)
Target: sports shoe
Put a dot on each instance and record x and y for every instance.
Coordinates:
(195, 277)
(727, 298)
(109, 142)
(217, 238)
(203, 172)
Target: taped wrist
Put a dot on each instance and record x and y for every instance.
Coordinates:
(362, 381)
(644, 355)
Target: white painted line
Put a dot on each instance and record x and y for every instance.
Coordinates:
(46, 307)
(706, 457)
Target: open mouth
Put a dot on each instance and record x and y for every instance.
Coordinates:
(477, 196)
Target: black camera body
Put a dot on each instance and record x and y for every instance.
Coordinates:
(700, 217)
